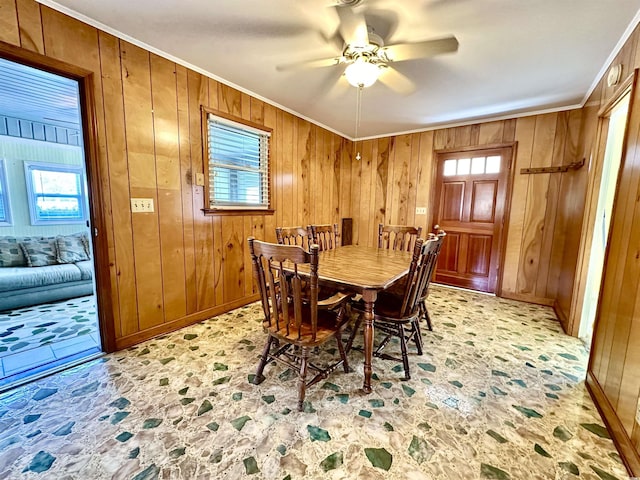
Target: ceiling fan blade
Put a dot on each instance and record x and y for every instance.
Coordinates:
(428, 48)
(322, 62)
(353, 27)
(396, 81)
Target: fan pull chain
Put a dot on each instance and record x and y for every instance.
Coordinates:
(358, 112)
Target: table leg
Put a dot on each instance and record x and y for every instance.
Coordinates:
(369, 297)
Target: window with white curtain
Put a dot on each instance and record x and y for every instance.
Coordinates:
(56, 193)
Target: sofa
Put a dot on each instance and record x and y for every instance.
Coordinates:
(36, 270)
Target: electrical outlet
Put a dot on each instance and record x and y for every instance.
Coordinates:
(142, 205)
(421, 210)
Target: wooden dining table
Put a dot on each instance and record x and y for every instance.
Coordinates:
(367, 271)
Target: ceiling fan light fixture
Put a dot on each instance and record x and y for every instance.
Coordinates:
(362, 73)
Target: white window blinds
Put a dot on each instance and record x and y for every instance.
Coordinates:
(238, 165)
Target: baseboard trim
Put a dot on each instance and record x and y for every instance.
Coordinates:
(527, 298)
(619, 436)
(144, 335)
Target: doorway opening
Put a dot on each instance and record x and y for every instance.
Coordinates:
(617, 124)
(48, 313)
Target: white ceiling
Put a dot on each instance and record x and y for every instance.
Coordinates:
(515, 56)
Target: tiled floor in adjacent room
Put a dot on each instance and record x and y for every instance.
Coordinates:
(498, 394)
(46, 334)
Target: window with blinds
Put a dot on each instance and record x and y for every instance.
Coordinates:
(238, 164)
(5, 212)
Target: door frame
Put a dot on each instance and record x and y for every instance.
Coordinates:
(98, 236)
(507, 203)
(596, 165)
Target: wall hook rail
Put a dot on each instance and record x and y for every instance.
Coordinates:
(561, 168)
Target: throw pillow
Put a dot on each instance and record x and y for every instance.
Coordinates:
(10, 253)
(72, 248)
(39, 252)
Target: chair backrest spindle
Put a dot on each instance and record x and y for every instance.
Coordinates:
(326, 236)
(398, 237)
(283, 292)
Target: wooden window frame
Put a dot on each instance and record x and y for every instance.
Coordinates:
(232, 210)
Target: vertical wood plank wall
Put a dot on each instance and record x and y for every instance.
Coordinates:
(395, 176)
(614, 368)
(176, 266)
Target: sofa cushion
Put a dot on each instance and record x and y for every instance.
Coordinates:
(39, 251)
(86, 269)
(72, 248)
(16, 278)
(11, 253)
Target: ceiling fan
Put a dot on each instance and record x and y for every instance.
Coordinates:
(366, 57)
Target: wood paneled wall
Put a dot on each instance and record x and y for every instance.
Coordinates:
(396, 174)
(614, 368)
(176, 266)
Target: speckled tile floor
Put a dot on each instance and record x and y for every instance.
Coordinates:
(31, 327)
(498, 394)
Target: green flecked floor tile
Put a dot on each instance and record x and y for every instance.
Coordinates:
(222, 380)
(240, 422)
(420, 450)
(365, 413)
(331, 386)
(151, 423)
(596, 429)
(494, 473)
(528, 412)
(216, 456)
(496, 436)
(379, 458)
(602, 473)
(124, 436)
(569, 467)
(541, 451)
(318, 434)
(408, 391)
(333, 461)
(149, 473)
(177, 452)
(376, 402)
(204, 407)
(41, 462)
(250, 465)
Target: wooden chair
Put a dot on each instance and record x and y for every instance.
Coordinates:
(424, 312)
(398, 237)
(294, 236)
(398, 316)
(326, 236)
(294, 317)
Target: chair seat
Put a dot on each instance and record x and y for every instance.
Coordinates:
(327, 323)
(387, 308)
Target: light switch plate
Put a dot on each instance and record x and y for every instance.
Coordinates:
(421, 210)
(200, 179)
(142, 205)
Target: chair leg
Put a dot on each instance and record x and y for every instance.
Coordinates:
(302, 379)
(354, 332)
(259, 378)
(405, 356)
(417, 335)
(425, 313)
(343, 355)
